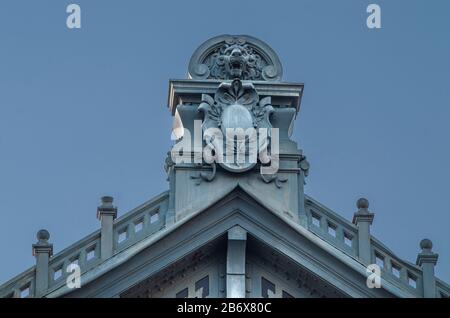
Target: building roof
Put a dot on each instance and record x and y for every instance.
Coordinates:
(154, 233)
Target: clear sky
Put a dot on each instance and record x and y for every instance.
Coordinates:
(83, 113)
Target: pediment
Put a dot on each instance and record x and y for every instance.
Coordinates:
(201, 274)
(156, 253)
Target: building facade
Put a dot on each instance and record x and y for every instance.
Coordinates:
(230, 228)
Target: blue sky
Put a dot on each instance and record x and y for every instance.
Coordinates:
(83, 113)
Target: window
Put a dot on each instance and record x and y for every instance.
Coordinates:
(138, 225)
(267, 288)
(412, 281)
(25, 291)
(396, 270)
(202, 288)
(75, 261)
(379, 260)
(123, 235)
(57, 273)
(348, 239)
(315, 219)
(182, 294)
(90, 253)
(332, 229)
(154, 217)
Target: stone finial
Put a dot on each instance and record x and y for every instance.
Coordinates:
(426, 245)
(107, 208)
(42, 245)
(43, 236)
(427, 260)
(363, 219)
(107, 201)
(363, 213)
(42, 250)
(426, 255)
(106, 213)
(362, 204)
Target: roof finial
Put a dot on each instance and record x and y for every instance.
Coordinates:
(363, 220)
(106, 213)
(427, 260)
(107, 200)
(426, 245)
(43, 236)
(362, 204)
(42, 250)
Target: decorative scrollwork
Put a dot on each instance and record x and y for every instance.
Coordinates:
(235, 105)
(304, 165)
(274, 178)
(230, 57)
(205, 176)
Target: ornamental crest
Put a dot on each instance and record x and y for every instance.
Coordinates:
(236, 127)
(230, 57)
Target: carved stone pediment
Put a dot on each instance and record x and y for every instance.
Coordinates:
(235, 56)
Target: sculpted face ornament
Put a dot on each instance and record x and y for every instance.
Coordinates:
(235, 57)
(235, 61)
